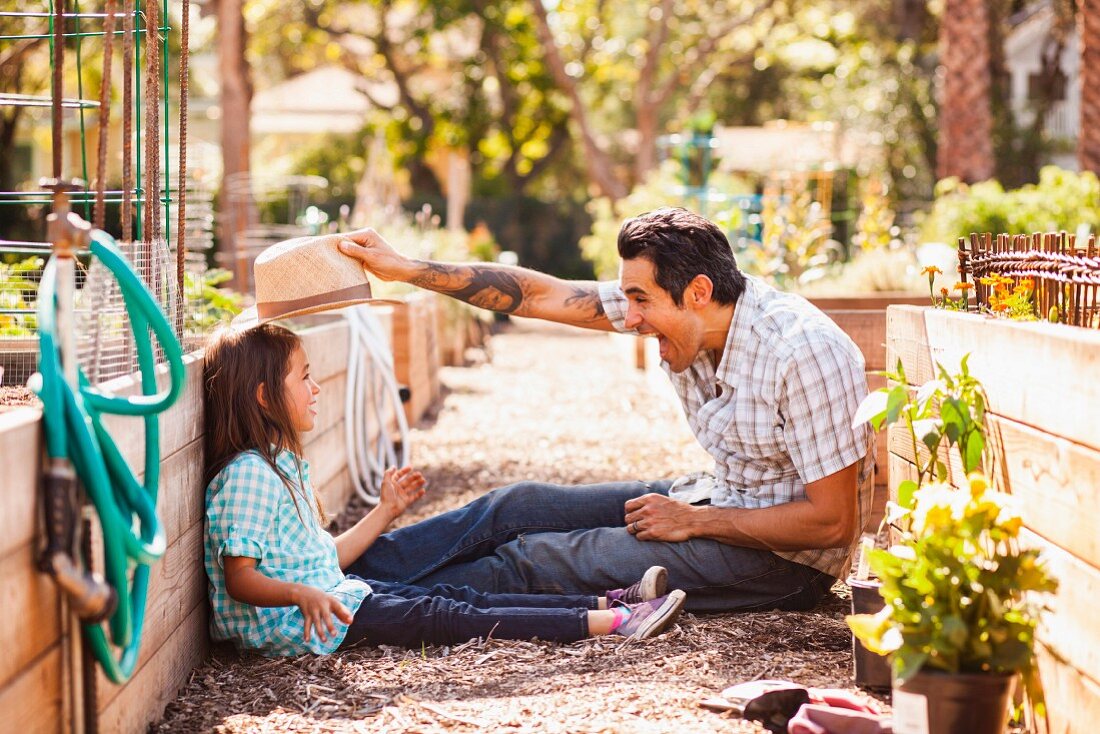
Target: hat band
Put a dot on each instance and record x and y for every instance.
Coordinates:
(275, 309)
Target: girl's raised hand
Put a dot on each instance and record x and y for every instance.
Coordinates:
(318, 609)
(400, 488)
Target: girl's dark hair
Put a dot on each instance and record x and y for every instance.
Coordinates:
(682, 245)
(236, 363)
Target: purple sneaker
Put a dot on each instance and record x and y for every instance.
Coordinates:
(651, 585)
(651, 618)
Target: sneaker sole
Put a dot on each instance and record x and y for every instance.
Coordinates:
(654, 583)
(660, 620)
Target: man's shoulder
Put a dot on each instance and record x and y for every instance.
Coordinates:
(794, 329)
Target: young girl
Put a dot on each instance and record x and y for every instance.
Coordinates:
(276, 584)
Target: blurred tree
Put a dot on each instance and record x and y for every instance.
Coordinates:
(966, 119)
(637, 60)
(1088, 135)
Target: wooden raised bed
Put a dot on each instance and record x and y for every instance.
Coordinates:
(37, 684)
(415, 339)
(1044, 403)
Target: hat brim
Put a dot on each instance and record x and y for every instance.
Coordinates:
(251, 318)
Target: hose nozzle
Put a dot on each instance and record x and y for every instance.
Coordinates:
(90, 597)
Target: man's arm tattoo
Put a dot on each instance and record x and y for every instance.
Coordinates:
(486, 287)
(587, 298)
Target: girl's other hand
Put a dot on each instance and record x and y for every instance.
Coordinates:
(318, 609)
(400, 488)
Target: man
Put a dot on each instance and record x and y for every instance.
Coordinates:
(770, 387)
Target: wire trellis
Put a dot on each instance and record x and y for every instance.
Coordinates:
(154, 233)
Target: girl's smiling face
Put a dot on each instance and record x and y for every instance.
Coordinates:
(301, 392)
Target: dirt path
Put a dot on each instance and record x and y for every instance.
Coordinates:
(557, 405)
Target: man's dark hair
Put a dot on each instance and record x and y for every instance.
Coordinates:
(682, 245)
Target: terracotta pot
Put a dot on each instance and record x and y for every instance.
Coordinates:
(933, 702)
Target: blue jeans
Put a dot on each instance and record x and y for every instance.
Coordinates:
(400, 614)
(550, 539)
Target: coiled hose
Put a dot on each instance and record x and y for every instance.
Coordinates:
(369, 358)
(132, 533)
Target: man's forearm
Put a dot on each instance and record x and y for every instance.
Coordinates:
(790, 526)
(512, 290)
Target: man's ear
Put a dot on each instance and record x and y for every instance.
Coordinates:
(699, 291)
(261, 396)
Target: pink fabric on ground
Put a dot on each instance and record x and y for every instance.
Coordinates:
(824, 719)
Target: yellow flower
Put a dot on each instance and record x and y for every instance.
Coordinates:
(931, 271)
(964, 287)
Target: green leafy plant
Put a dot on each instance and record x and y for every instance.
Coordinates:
(796, 245)
(943, 412)
(18, 288)
(875, 228)
(209, 305)
(958, 588)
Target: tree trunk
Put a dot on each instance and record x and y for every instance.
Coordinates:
(236, 100)
(601, 169)
(966, 120)
(1088, 135)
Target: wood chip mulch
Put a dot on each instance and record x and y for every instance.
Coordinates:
(553, 405)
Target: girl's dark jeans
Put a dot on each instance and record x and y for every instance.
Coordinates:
(408, 616)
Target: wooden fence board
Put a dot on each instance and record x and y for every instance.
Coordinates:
(32, 703)
(1013, 361)
(1056, 481)
(32, 597)
(177, 585)
(327, 347)
(157, 682)
(21, 452)
(1072, 698)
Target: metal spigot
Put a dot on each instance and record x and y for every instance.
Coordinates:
(65, 228)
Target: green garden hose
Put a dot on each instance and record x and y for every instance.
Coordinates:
(133, 537)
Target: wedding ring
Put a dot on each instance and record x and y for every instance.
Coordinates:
(635, 526)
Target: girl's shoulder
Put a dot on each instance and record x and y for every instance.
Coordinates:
(248, 470)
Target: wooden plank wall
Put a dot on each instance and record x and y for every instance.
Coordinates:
(416, 357)
(35, 694)
(1044, 400)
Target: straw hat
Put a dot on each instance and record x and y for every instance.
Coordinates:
(302, 276)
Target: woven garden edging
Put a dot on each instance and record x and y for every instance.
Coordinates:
(1047, 442)
(1066, 275)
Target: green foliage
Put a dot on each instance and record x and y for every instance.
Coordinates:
(18, 289)
(600, 245)
(795, 246)
(1062, 200)
(875, 228)
(958, 589)
(944, 412)
(208, 305)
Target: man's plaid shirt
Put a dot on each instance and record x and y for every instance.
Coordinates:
(790, 382)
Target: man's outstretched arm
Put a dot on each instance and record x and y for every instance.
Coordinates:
(503, 288)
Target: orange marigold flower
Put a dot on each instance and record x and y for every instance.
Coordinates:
(964, 287)
(943, 292)
(999, 306)
(1027, 284)
(931, 270)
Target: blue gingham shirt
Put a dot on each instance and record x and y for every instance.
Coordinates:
(790, 381)
(250, 512)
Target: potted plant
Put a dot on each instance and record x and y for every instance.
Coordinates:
(959, 594)
(948, 411)
(961, 610)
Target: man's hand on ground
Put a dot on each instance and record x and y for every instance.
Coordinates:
(656, 517)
